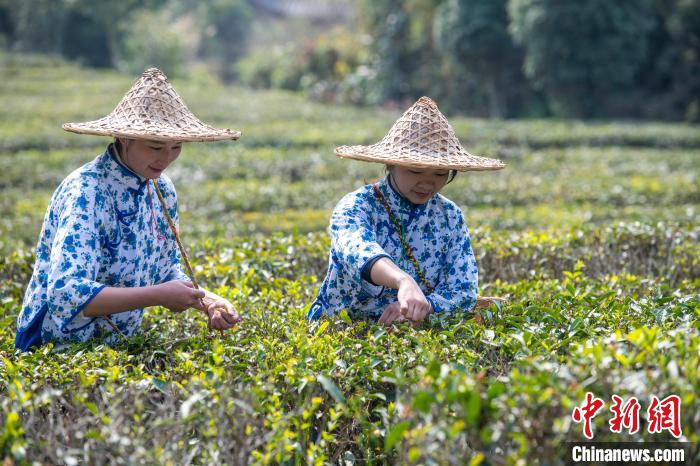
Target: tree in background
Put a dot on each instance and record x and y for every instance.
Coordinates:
(684, 27)
(103, 29)
(35, 25)
(145, 43)
(593, 58)
(473, 36)
(83, 30)
(388, 23)
(86, 40)
(6, 26)
(225, 31)
(403, 60)
(129, 34)
(581, 53)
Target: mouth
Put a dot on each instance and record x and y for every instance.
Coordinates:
(421, 194)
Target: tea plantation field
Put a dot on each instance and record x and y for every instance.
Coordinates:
(591, 232)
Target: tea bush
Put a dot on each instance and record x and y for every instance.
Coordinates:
(591, 234)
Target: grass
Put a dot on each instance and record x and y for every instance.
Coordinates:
(590, 232)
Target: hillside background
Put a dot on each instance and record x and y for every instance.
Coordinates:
(498, 58)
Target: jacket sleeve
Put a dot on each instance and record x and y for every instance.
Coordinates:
(458, 289)
(353, 239)
(74, 263)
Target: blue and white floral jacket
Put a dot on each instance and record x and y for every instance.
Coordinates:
(361, 231)
(104, 227)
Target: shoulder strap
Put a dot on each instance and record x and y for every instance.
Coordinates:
(399, 230)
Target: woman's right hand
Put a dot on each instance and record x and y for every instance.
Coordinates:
(178, 295)
(412, 302)
(391, 314)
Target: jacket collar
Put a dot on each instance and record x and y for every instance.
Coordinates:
(401, 206)
(121, 174)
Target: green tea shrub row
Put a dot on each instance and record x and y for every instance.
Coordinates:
(282, 389)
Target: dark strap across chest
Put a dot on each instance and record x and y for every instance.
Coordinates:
(402, 237)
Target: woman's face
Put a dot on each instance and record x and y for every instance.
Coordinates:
(418, 185)
(149, 159)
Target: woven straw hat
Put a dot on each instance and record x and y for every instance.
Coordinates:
(422, 138)
(152, 110)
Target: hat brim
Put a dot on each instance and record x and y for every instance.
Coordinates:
(153, 131)
(463, 161)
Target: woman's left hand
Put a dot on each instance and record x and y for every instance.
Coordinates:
(222, 314)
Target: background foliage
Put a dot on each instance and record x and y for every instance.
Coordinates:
(591, 232)
(499, 58)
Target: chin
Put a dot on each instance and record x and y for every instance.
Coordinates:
(420, 200)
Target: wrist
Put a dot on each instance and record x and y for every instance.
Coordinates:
(154, 295)
(431, 308)
(209, 298)
(403, 280)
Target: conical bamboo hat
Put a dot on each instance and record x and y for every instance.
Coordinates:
(421, 138)
(152, 110)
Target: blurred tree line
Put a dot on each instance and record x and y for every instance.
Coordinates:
(500, 58)
(130, 34)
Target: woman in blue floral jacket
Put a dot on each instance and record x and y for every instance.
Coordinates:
(399, 249)
(106, 249)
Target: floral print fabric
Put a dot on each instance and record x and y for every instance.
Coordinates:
(361, 230)
(104, 227)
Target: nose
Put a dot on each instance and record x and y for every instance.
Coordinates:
(428, 181)
(171, 154)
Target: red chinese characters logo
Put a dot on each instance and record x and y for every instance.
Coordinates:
(661, 415)
(626, 415)
(587, 412)
(665, 415)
